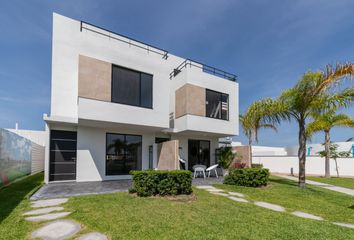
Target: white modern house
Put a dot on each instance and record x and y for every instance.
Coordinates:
(114, 100)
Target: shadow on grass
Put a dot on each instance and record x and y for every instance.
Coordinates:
(284, 181)
(12, 195)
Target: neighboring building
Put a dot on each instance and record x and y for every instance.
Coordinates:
(114, 98)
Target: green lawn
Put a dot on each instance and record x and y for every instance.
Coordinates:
(342, 182)
(14, 201)
(123, 216)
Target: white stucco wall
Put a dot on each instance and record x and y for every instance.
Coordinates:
(268, 151)
(314, 165)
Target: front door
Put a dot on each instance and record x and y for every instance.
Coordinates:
(62, 165)
(198, 153)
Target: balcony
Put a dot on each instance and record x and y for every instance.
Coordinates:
(205, 100)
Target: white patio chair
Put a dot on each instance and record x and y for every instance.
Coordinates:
(212, 168)
(199, 169)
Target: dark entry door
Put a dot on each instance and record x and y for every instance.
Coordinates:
(62, 155)
(198, 153)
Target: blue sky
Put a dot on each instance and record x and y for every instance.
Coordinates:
(268, 44)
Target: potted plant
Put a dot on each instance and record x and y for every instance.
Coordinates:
(225, 159)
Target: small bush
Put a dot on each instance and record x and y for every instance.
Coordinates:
(248, 177)
(157, 182)
(257, 165)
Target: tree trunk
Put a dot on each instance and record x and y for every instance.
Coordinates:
(250, 151)
(327, 150)
(302, 153)
(335, 160)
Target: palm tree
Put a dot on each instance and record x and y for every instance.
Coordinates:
(325, 122)
(308, 96)
(254, 119)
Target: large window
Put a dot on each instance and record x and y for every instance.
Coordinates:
(131, 87)
(217, 105)
(123, 153)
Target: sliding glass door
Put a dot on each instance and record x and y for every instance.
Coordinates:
(198, 153)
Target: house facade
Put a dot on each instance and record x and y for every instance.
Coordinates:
(114, 98)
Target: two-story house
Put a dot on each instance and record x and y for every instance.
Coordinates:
(114, 98)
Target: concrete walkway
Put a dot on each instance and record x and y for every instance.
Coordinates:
(70, 189)
(347, 191)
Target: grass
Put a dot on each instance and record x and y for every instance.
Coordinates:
(124, 216)
(14, 201)
(341, 182)
(330, 205)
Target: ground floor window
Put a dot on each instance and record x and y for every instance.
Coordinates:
(123, 153)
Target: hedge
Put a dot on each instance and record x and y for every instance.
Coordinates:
(159, 182)
(248, 177)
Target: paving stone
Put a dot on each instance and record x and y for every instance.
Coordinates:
(270, 206)
(344, 225)
(214, 190)
(49, 202)
(43, 211)
(238, 199)
(57, 230)
(47, 217)
(306, 215)
(205, 187)
(93, 236)
(236, 194)
(220, 194)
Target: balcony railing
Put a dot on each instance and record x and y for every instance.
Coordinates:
(119, 37)
(205, 68)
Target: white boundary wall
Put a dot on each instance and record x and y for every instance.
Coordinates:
(314, 165)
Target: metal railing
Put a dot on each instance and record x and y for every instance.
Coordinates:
(205, 68)
(123, 38)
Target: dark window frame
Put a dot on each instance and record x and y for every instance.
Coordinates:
(228, 103)
(125, 135)
(139, 72)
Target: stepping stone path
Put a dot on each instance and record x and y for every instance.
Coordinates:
(59, 229)
(49, 202)
(93, 236)
(43, 211)
(344, 225)
(220, 193)
(270, 206)
(307, 215)
(47, 217)
(236, 194)
(239, 197)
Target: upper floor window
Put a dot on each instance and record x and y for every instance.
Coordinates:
(131, 87)
(217, 105)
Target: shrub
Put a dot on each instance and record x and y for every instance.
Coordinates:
(154, 182)
(226, 157)
(257, 165)
(248, 177)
